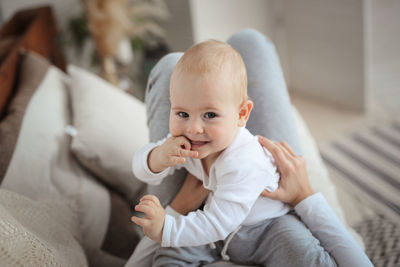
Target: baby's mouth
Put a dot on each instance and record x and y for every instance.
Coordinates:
(197, 144)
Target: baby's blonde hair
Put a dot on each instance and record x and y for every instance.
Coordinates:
(212, 57)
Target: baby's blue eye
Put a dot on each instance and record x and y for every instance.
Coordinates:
(210, 115)
(183, 114)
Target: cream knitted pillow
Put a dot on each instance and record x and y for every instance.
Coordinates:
(38, 233)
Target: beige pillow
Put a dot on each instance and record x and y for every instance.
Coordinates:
(111, 126)
(38, 233)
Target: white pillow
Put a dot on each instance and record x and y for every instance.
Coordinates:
(111, 126)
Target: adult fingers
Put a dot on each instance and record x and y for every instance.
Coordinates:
(265, 142)
(276, 147)
(283, 146)
(273, 147)
(289, 149)
(272, 195)
(278, 154)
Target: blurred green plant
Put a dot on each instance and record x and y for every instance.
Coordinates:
(114, 25)
(79, 31)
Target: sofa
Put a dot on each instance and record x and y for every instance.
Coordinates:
(67, 139)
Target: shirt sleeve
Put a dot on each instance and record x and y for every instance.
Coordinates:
(226, 210)
(141, 169)
(318, 216)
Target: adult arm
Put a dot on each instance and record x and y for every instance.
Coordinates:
(190, 197)
(313, 209)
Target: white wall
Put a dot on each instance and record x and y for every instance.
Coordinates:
(220, 19)
(326, 50)
(383, 53)
(179, 30)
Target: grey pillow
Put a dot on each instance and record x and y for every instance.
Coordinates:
(110, 126)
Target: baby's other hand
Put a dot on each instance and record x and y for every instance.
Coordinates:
(153, 222)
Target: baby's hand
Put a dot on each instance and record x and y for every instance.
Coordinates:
(171, 153)
(153, 223)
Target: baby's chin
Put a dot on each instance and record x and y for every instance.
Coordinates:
(203, 155)
(200, 155)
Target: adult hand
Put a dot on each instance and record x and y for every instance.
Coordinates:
(294, 185)
(190, 197)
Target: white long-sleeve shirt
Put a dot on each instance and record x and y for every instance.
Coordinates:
(235, 180)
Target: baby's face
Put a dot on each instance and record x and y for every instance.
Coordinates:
(205, 111)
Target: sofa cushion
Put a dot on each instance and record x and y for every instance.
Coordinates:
(33, 69)
(42, 165)
(110, 126)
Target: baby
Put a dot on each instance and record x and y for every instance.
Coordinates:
(209, 111)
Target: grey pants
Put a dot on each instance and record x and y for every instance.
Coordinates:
(271, 117)
(283, 241)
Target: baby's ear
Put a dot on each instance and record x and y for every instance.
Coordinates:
(244, 112)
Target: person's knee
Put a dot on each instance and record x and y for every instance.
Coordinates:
(167, 62)
(293, 233)
(299, 244)
(163, 70)
(251, 36)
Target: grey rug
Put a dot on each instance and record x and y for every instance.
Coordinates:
(368, 162)
(382, 241)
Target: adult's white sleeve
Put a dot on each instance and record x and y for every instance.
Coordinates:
(319, 217)
(141, 169)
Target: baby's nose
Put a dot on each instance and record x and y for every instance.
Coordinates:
(195, 127)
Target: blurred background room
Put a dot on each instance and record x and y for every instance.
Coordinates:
(340, 60)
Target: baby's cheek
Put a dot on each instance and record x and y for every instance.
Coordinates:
(224, 135)
(219, 134)
(175, 128)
